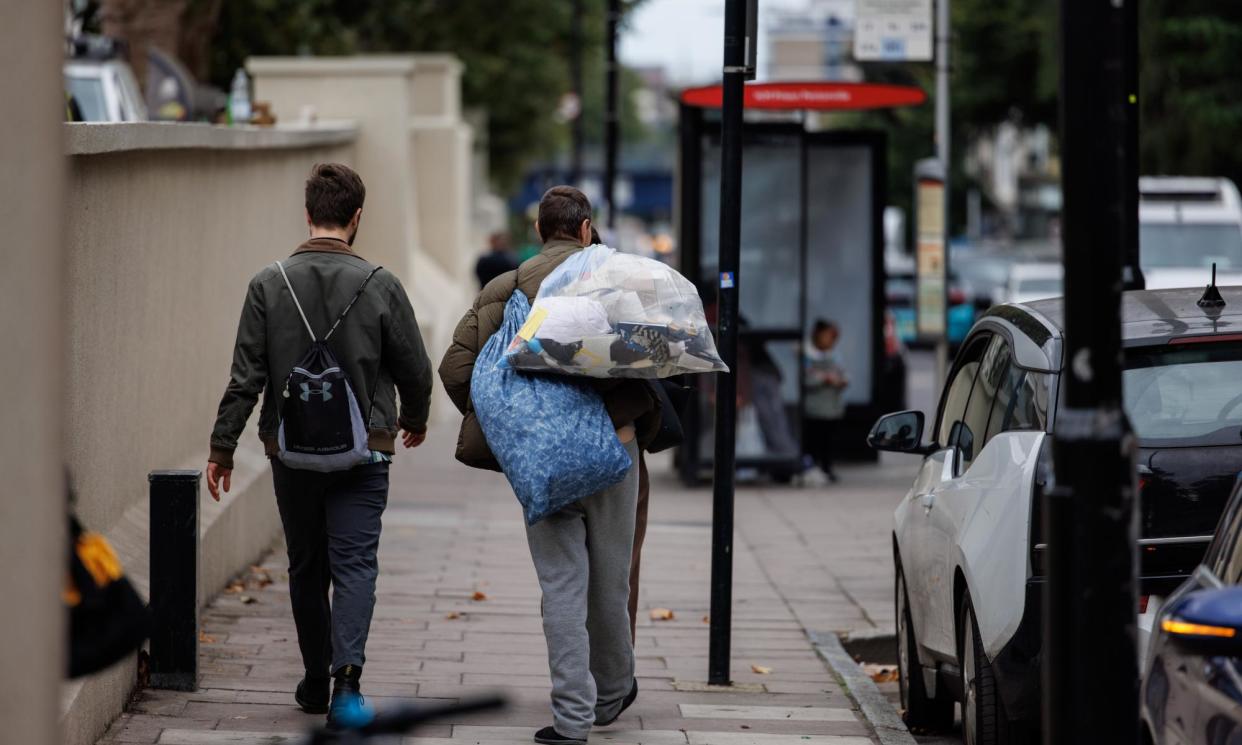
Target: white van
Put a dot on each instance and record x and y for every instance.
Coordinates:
(1185, 225)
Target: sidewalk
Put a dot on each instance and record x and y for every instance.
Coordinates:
(458, 614)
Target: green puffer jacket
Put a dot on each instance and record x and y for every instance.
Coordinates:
(628, 401)
(378, 345)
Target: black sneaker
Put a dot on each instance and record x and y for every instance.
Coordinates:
(549, 736)
(627, 703)
(312, 694)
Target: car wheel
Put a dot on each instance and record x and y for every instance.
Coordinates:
(919, 709)
(983, 720)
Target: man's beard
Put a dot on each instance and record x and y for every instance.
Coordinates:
(354, 234)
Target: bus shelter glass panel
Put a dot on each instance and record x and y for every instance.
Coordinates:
(771, 255)
(841, 257)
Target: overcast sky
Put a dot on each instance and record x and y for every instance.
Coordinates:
(686, 37)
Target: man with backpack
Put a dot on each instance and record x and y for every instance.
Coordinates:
(329, 341)
(582, 553)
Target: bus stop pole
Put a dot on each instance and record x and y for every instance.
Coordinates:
(611, 115)
(735, 70)
(943, 134)
(1090, 663)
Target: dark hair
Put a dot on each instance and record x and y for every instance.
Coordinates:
(822, 325)
(334, 192)
(561, 212)
(595, 239)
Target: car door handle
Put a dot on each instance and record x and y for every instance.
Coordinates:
(929, 501)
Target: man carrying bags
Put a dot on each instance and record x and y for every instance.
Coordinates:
(582, 551)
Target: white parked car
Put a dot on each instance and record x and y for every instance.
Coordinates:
(1034, 281)
(967, 542)
(104, 90)
(1185, 225)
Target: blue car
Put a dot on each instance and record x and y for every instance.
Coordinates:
(1192, 690)
(900, 294)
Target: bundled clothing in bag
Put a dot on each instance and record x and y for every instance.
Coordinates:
(606, 314)
(552, 436)
(627, 401)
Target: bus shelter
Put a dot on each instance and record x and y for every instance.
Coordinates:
(812, 248)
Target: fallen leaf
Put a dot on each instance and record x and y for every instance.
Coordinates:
(247, 600)
(661, 614)
(260, 577)
(880, 673)
(760, 670)
(235, 586)
(478, 596)
(707, 619)
(206, 638)
(452, 616)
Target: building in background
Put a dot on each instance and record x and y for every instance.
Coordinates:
(814, 42)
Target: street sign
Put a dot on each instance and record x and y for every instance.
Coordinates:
(893, 31)
(811, 96)
(930, 264)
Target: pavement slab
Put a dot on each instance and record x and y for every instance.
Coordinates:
(458, 616)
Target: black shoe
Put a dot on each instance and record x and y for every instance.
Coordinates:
(627, 703)
(312, 695)
(549, 736)
(348, 707)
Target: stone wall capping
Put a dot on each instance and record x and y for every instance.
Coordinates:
(94, 138)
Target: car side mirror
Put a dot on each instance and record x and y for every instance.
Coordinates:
(1207, 622)
(901, 432)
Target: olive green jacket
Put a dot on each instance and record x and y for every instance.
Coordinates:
(378, 345)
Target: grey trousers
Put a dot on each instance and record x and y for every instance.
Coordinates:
(332, 528)
(582, 556)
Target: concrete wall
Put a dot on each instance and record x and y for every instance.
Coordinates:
(32, 522)
(415, 151)
(166, 224)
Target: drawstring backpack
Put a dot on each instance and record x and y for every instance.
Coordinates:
(321, 426)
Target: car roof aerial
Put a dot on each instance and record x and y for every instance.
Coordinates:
(1153, 315)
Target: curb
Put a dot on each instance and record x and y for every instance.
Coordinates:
(876, 709)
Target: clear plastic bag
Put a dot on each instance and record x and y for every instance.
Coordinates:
(606, 314)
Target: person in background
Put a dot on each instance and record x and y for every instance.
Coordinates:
(498, 259)
(825, 380)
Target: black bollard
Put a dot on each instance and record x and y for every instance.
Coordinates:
(174, 579)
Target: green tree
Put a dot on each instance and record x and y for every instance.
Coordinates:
(516, 55)
(1190, 93)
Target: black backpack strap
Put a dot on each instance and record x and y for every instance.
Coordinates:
(357, 295)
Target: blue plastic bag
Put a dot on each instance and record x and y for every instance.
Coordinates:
(551, 435)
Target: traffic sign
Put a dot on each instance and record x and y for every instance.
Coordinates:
(893, 31)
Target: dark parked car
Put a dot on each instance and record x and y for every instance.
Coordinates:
(1192, 689)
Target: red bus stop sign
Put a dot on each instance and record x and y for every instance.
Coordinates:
(811, 96)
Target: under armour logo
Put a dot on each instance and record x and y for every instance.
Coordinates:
(322, 391)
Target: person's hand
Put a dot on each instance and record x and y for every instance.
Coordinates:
(413, 439)
(217, 476)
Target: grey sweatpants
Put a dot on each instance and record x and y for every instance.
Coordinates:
(582, 556)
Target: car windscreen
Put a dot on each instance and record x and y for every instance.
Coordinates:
(1164, 245)
(88, 93)
(1187, 394)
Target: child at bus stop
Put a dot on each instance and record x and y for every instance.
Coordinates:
(825, 381)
